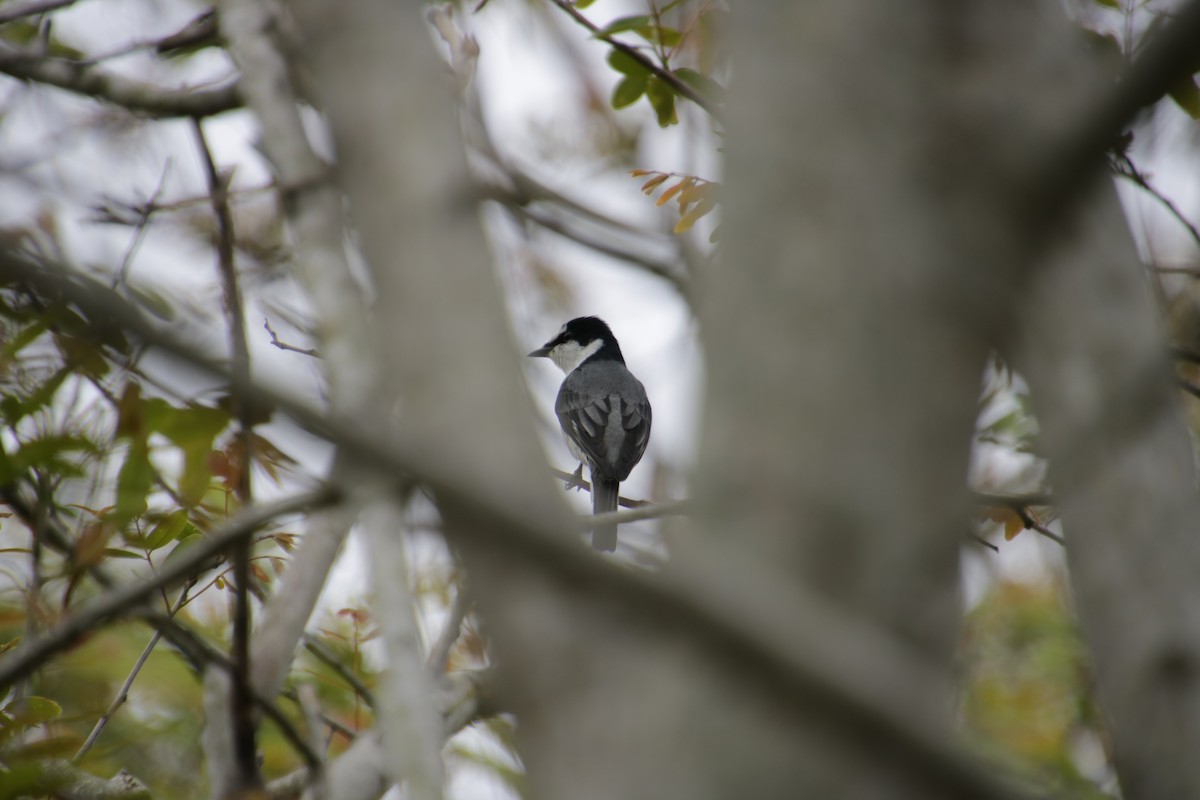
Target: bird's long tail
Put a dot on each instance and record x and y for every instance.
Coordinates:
(604, 499)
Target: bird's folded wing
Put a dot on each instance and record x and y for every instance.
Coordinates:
(585, 419)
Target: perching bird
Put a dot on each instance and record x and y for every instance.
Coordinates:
(603, 410)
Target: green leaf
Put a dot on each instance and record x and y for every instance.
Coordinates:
(188, 543)
(1108, 4)
(662, 98)
(1186, 95)
(167, 530)
(705, 86)
(33, 710)
(626, 64)
(134, 482)
(192, 429)
(17, 407)
(113, 552)
(23, 338)
(657, 34)
(46, 453)
(627, 92)
(184, 425)
(623, 24)
(81, 355)
(154, 302)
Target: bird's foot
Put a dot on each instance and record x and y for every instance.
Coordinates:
(576, 480)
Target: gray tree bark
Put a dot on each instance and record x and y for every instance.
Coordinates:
(876, 244)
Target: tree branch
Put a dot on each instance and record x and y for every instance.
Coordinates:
(678, 86)
(1060, 177)
(108, 606)
(833, 662)
(123, 692)
(96, 82)
(241, 709)
(16, 11)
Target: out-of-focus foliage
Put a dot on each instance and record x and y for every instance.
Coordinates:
(1026, 694)
(695, 197)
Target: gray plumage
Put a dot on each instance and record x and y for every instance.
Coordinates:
(603, 410)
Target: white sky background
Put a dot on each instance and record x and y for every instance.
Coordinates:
(52, 161)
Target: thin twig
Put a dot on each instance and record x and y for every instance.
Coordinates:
(1061, 175)
(1020, 504)
(677, 85)
(190, 645)
(439, 654)
(145, 211)
(17, 11)
(982, 541)
(1188, 387)
(188, 639)
(323, 654)
(311, 351)
(103, 609)
(604, 245)
(242, 709)
(677, 508)
(123, 694)
(1192, 272)
(311, 706)
(128, 93)
(576, 482)
(1123, 165)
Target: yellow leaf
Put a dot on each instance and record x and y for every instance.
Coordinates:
(674, 190)
(694, 194)
(637, 173)
(649, 186)
(699, 210)
(1013, 524)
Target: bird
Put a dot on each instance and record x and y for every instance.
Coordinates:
(603, 410)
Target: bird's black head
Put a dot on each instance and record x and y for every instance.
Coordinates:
(580, 339)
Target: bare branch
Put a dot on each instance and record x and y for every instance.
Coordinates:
(310, 351)
(575, 480)
(108, 606)
(18, 10)
(62, 779)
(1060, 177)
(831, 654)
(241, 709)
(1123, 165)
(123, 692)
(439, 654)
(322, 653)
(407, 720)
(97, 82)
(678, 508)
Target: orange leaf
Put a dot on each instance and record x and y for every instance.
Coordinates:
(649, 186)
(1013, 524)
(674, 190)
(637, 173)
(694, 194)
(699, 210)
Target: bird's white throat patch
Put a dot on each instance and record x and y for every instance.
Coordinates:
(570, 355)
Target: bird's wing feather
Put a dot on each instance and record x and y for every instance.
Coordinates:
(585, 419)
(635, 418)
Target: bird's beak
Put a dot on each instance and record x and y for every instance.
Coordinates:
(541, 352)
